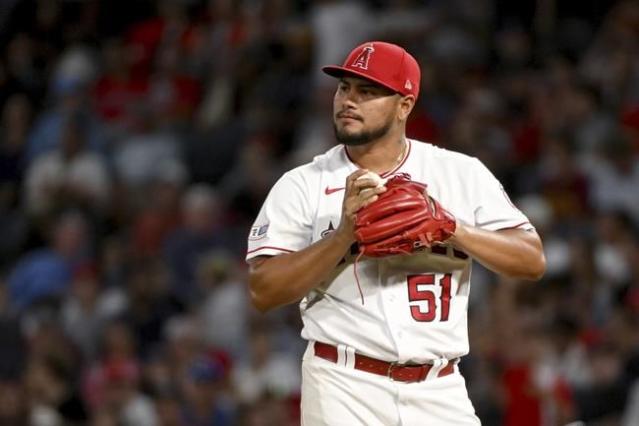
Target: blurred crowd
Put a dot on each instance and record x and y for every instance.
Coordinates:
(139, 138)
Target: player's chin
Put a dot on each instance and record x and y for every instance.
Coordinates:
(349, 131)
(349, 127)
(354, 141)
(351, 135)
(343, 133)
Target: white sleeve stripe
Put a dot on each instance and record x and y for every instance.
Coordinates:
(271, 248)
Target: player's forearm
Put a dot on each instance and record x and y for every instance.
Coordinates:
(514, 252)
(284, 279)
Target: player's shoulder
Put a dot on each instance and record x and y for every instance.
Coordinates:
(446, 156)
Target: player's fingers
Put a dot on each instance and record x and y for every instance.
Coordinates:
(364, 183)
(352, 182)
(351, 215)
(351, 204)
(355, 175)
(366, 193)
(359, 192)
(368, 201)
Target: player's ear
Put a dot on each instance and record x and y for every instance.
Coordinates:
(405, 106)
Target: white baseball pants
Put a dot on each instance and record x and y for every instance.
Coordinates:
(337, 395)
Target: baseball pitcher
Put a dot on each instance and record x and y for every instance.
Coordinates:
(375, 240)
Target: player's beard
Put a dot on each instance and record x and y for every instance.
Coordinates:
(363, 137)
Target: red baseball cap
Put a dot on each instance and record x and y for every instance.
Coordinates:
(384, 63)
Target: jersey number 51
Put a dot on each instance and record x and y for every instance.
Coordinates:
(416, 293)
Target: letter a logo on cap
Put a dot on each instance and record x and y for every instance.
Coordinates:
(362, 59)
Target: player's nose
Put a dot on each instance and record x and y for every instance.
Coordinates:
(346, 106)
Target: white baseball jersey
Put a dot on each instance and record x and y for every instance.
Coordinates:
(415, 306)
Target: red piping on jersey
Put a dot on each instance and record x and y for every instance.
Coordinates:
(269, 247)
(385, 174)
(514, 227)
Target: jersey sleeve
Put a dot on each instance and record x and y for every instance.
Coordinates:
(493, 208)
(283, 224)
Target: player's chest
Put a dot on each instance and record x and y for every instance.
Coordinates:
(328, 211)
(328, 208)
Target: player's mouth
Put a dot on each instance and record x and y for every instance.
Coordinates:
(348, 117)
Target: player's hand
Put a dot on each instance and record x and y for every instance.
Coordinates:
(358, 193)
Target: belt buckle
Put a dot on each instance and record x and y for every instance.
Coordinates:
(391, 367)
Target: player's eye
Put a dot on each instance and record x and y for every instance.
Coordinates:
(369, 91)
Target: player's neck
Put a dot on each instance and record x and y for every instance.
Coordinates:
(379, 156)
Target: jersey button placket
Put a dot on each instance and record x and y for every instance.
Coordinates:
(391, 304)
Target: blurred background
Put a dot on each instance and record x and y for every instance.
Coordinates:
(139, 138)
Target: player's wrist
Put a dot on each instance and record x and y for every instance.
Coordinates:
(343, 237)
(458, 235)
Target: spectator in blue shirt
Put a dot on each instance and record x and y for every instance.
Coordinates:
(47, 272)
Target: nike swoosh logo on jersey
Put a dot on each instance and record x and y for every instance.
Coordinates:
(329, 191)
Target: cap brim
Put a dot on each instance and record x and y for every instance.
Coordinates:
(339, 72)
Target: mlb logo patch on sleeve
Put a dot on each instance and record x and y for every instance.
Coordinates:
(258, 232)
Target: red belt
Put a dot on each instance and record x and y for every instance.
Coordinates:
(408, 373)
